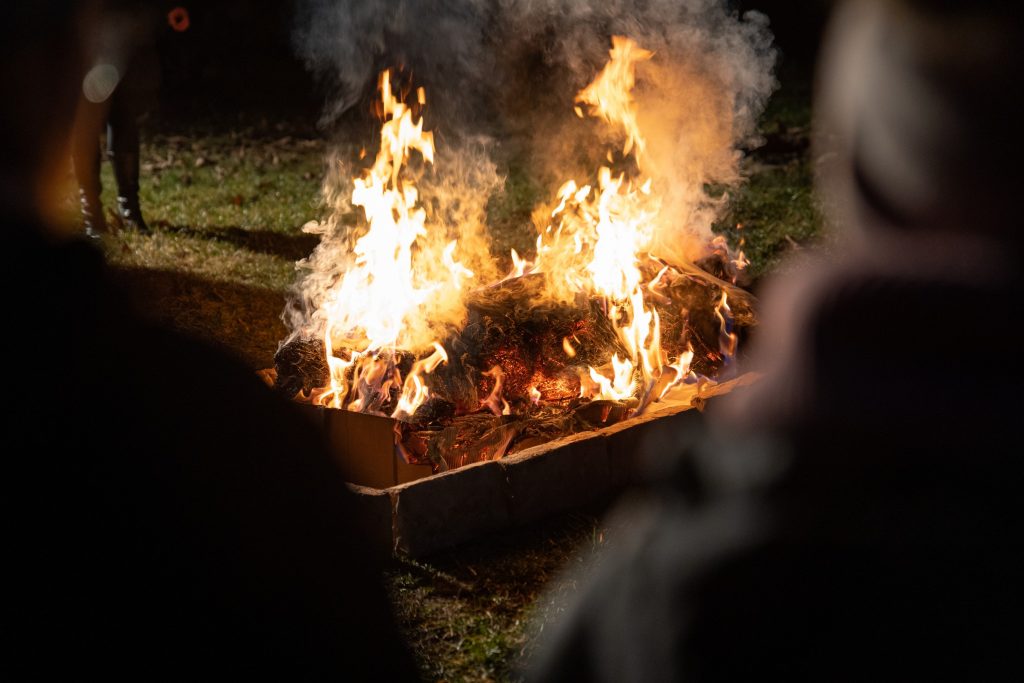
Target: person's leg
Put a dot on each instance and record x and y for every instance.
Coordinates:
(85, 153)
(123, 148)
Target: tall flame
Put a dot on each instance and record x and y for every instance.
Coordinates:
(369, 311)
(598, 236)
(379, 292)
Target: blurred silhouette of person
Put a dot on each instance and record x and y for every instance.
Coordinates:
(119, 90)
(166, 515)
(857, 515)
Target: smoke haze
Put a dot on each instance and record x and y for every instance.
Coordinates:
(501, 77)
(511, 69)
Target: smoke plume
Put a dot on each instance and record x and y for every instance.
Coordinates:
(501, 77)
(511, 68)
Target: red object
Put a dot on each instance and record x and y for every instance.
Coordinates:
(177, 18)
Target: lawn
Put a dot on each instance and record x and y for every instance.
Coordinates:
(226, 205)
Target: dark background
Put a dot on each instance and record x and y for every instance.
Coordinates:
(237, 60)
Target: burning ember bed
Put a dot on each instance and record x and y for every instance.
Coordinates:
(424, 361)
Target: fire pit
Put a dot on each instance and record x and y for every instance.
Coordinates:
(458, 395)
(415, 513)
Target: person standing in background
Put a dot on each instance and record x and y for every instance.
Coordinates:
(118, 91)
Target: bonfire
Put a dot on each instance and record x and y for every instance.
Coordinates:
(595, 326)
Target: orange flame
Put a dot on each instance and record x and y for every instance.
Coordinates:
(610, 96)
(494, 402)
(414, 391)
(600, 234)
(369, 310)
(727, 338)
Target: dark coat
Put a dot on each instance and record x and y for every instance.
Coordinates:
(168, 516)
(856, 516)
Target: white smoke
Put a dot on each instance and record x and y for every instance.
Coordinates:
(509, 70)
(699, 98)
(474, 53)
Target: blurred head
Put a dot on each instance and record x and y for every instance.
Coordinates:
(40, 74)
(919, 106)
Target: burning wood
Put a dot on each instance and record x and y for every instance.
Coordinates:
(592, 331)
(509, 382)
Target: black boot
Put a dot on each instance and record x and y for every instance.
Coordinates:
(92, 214)
(126, 171)
(87, 170)
(130, 213)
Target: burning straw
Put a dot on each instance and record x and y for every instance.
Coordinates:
(397, 316)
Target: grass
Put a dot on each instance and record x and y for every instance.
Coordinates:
(775, 210)
(476, 613)
(227, 209)
(771, 214)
